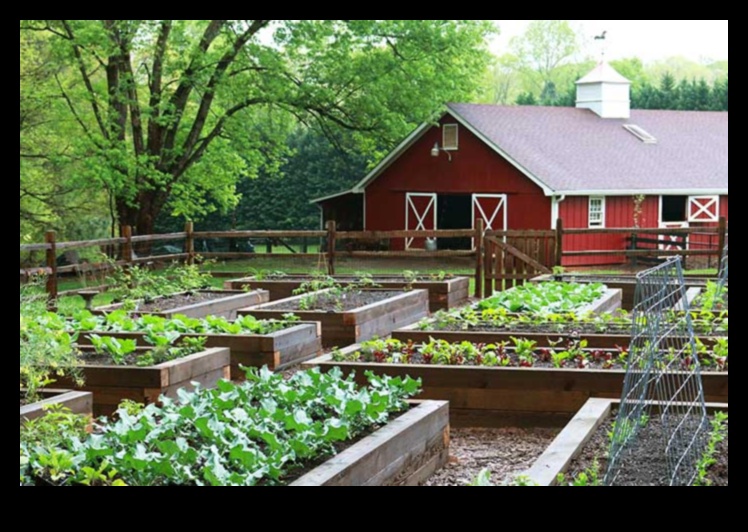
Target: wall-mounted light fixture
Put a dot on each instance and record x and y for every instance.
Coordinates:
(436, 149)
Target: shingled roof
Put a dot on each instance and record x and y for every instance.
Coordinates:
(574, 151)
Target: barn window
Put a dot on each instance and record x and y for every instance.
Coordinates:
(703, 208)
(596, 212)
(450, 137)
(674, 209)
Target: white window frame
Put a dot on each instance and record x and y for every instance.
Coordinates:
(703, 208)
(444, 137)
(596, 224)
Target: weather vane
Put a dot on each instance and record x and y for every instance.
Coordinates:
(601, 38)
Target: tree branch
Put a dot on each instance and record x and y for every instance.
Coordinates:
(155, 130)
(86, 79)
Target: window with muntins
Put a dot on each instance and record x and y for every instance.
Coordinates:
(450, 137)
(596, 212)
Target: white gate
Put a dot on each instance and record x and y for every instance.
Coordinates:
(420, 215)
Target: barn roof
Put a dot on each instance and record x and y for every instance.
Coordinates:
(574, 151)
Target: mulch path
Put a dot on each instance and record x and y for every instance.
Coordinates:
(506, 453)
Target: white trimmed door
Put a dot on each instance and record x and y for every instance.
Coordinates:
(674, 243)
(420, 215)
(492, 209)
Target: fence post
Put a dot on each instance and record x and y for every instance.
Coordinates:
(479, 251)
(559, 241)
(722, 239)
(304, 245)
(331, 247)
(125, 232)
(189, 242)
(51, 256)
(269, 245)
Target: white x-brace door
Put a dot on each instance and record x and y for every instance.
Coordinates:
(420, 215)
(492, 208)
(703, 208)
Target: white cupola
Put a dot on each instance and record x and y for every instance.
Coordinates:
(605, 92)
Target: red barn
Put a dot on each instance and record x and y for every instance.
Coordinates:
(597, 165)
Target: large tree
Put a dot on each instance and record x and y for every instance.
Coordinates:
(175, 111)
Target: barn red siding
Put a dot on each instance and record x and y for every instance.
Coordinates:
(619, 212)
(475, 169)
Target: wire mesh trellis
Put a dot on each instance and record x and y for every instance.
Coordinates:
(662, 384)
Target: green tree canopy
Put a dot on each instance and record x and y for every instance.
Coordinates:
(171, 111)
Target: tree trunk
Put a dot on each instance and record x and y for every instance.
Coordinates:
(142, 214)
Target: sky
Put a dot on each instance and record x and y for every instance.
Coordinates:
(650, 40)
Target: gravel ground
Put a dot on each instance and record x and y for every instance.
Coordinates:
(505, 452)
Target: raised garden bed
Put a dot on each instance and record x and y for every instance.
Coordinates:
(373, 438)
(444, 294)
(626, 283)
(405, 452)
(358, 316)
(197, 304)
(75, 401)
(277, 350)
(590, 425)
(600, 332)
(111, 384)
(554, 298)
(482, 396)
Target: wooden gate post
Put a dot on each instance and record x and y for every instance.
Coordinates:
(126, 247)
(559, 241)
(479, 251)
(189, 242)
(51, 259)
(722, 239)
(331, 228)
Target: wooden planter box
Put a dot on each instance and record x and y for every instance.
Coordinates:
(595, 341)
(571, 440)
(110, 385)
(277, 351)
(405, 452)
(76, 402)
(225, 307)
(443, 295)
(357, 325)
(498, 397)
(625, 283)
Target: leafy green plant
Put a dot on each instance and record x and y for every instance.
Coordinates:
(261, 431)
(718, 434)
(137, 283)
(121, 321)
(545, 298)
(588, 478)
(44, 353)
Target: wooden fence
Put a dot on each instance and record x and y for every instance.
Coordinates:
(501, 258)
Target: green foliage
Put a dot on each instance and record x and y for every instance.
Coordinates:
(176, 111)
(120, 321)
(718, 435)
(166, 347)
(484, 479)
(521, 353)
(590, 477)
(44, 353)
(140, 283)
(545, 298)
(257, 432)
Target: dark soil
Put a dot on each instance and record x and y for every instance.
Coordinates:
(506, 453)
(334, 302)
(180, 300)
(645, 467)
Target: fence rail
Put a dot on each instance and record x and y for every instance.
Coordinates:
(498, 259)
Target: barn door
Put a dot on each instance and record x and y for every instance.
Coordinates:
(420, 215)
(673, 242)
(703, 208)
(492, 209)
